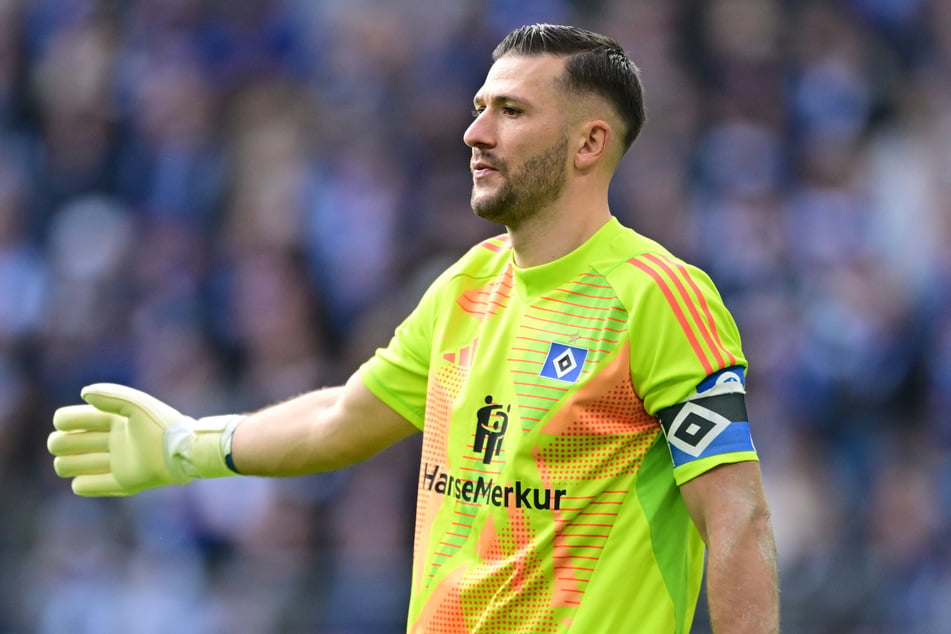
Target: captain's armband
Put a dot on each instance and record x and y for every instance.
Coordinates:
(711, 423)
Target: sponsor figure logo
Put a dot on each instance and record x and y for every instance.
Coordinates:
(491, 423)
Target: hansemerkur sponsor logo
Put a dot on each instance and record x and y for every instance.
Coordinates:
(486, 492)
(491, 423)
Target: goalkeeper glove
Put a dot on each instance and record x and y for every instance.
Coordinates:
(125, 441)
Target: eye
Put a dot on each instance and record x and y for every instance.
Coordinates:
(476, 112)
(511, 111)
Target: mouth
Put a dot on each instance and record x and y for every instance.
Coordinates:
(481, 169)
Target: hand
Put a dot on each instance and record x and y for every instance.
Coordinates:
(125, 441)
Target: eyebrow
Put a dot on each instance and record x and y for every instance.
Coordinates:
(479, 98)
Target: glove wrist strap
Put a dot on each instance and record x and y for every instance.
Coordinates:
(211, 445)
(200, 448)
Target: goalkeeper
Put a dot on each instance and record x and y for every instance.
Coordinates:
(580, 392)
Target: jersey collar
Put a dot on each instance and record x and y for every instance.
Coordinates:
(533, 282)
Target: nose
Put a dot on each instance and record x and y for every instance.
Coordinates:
(479, 133)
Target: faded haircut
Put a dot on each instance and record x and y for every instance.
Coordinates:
(595, 64)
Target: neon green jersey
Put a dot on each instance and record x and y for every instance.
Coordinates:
(548, 498)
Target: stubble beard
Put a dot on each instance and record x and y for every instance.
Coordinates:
(538, 182)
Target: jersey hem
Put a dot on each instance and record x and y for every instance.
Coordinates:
(690, 471)
(390, 399)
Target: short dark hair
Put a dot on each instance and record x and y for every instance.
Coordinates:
(595, 63)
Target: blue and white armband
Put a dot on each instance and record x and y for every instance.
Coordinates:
(711, 422)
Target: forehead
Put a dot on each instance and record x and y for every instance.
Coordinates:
(524, 77)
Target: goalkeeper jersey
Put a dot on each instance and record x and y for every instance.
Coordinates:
(561, 406)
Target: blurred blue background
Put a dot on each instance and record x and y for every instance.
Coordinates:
(227, 202)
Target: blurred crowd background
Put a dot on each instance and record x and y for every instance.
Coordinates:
(228, 202)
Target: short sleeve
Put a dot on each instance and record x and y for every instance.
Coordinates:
(688, 366)
(681, 332)
(398, 374)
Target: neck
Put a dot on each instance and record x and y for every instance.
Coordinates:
(558, 231)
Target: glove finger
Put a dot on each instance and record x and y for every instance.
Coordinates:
(62, 443)
(85, 464)
(126, 401)
(100, 485)
(81, 417)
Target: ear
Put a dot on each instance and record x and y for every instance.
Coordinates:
(594, 144)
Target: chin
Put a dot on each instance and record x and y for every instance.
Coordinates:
(483, 208)
(502, 215)
(498, 206)
(485, 214)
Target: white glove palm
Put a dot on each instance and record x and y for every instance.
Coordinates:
(125, 441)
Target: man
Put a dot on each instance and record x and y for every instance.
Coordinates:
(579, 389)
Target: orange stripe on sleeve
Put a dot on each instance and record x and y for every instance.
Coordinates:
(675, 306)
(691, 306)
(702, 301)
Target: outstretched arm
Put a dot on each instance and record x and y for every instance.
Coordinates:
(124, 440)
(730, 510)
(318, 431)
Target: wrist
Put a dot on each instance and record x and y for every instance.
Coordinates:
(211, 445)
(202, 448)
